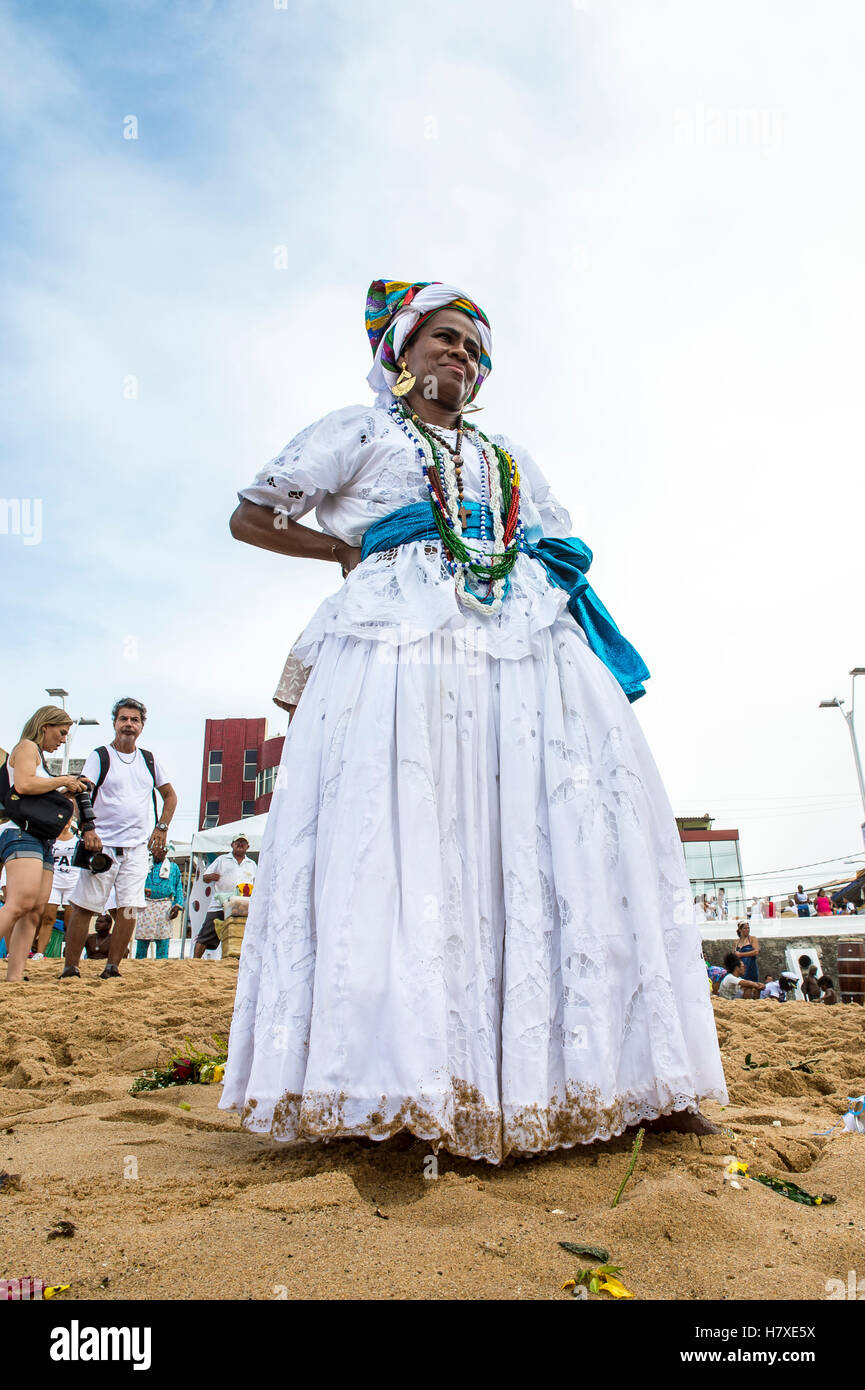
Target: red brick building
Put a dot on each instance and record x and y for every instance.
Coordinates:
(238, 770)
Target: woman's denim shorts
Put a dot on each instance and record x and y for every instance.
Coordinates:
(20, 844)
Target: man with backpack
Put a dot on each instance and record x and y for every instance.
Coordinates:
(125, 781)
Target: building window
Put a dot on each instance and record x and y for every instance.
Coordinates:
(265, 781)
(211, 814)
(698, 857)
(247, 808)
(250, 764)
(725, 859)
(214, 768)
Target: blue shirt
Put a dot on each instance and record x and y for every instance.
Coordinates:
(171, 887)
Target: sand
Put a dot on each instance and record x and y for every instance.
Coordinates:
(175, 1203)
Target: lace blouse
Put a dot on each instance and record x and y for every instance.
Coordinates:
(356, 466)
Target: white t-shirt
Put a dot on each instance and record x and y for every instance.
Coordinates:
(65, 873)
(730, 987)
(231, 873)
(124, 803)
(772, 991)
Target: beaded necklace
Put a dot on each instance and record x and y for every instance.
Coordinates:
(445, 495)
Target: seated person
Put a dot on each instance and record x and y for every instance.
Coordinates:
(772, 989)
(828, 988)
(96, 945)
(716, 974)
(734, 985)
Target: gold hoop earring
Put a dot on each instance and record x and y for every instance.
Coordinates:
(404, 382)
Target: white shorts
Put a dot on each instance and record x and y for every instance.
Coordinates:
(126, 876)
(61, 897)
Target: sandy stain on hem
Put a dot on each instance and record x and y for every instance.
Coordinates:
(479, 1130)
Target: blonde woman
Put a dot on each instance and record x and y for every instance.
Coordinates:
(27, 858)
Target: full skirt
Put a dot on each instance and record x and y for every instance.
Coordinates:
(472, 918)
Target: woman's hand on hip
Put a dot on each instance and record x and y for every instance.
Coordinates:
(348, 556)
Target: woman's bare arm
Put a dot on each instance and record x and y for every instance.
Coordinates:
(270, 529)
(25, 762)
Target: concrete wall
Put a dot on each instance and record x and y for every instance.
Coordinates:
(772, 959)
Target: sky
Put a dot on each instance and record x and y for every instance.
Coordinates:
(658, 208)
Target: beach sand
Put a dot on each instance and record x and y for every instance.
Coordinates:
(169, 1203)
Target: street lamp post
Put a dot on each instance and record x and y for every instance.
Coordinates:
(58, 692)
(849, 720)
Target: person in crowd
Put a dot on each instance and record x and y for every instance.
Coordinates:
(828, 989)
(97, 944)
(800, 898)
(772, 989)
(125, 781)
(163, 890)
(27, 856)
(747, 949)
(226, 872)
(723, 905)
(810, 987)
(64, 880)
(734, 984)
(716, 974)
(823, 904)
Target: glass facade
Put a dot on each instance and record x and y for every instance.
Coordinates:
(715, 864)
(265, 781)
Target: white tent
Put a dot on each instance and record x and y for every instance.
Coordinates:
(218, 839)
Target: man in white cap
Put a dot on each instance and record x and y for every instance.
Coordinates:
(225, 873)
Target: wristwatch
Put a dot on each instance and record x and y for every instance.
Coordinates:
(160, 825)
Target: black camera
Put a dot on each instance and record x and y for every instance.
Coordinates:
(86, 817)
(96, 860)
(93, 859)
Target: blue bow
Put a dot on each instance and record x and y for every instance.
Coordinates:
(566, 563)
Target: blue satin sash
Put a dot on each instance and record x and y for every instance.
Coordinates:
(566, 563)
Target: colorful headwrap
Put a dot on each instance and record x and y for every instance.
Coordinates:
(395, 309)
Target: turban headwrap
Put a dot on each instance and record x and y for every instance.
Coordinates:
(394, 310)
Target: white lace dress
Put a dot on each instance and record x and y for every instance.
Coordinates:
(472, 917)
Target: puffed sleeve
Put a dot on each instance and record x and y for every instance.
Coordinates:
(550, 517)
(319, 460)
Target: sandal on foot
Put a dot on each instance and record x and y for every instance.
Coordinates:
(71, 973)
(110, 973)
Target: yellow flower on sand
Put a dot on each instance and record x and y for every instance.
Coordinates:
(614, 1286)
(599, 1281)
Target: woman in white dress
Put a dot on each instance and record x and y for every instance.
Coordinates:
(472, 918)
